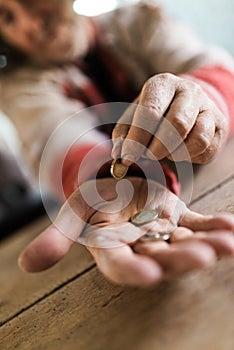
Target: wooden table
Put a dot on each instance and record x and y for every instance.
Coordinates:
(72, 306)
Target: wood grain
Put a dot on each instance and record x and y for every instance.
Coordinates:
(211, 175)
(218, 201)
(195, 312)
(20, 290)
(72, 306)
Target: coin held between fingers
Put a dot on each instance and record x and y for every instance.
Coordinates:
(118, 170)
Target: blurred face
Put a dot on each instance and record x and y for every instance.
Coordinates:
(46, 30)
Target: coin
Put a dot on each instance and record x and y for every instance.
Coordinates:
(118, 170)
(144, 217)
(156, 236)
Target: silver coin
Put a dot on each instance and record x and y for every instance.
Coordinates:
(156, 236)
(118, 170)
(144, 217)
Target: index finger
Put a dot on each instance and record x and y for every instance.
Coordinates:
(121, 129)
(176, 125)
(156, 96)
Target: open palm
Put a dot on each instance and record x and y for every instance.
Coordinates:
(98, 215)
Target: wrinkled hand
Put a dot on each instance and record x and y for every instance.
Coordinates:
(185, 122)
(103, 224)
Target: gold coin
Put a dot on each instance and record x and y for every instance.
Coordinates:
(156, 236)
(118, 170)
(144, 217)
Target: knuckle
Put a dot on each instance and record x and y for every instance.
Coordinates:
(180, 123)
(155, 112)
(162, 77)
(203, 142)
(207, 156)
(221, 125)
(192, 86)
(166, 76)
(159, 80)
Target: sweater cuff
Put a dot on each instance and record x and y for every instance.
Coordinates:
(218, 82)
(99, 167)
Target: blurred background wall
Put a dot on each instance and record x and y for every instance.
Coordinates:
(212, 20)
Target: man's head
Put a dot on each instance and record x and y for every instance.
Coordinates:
(44, 30)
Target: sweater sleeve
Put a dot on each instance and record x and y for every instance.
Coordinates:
(218, 82)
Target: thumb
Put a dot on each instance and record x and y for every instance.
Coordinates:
(54, 242)
(45, 250)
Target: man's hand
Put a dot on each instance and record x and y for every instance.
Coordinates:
(103, 224)
(174, 118)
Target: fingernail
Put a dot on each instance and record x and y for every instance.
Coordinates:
(116, 150)
(21, 263)
(117, 145)
(128, 159)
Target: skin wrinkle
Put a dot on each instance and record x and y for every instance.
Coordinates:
(181, 127)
